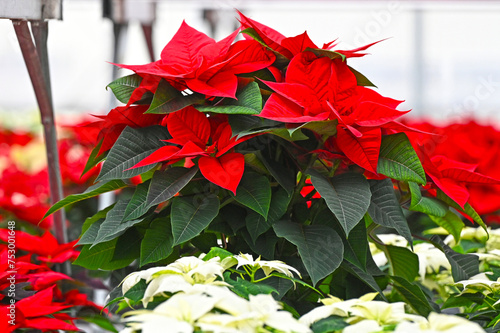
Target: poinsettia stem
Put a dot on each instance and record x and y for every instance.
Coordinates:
(489, 302)
(225, 203)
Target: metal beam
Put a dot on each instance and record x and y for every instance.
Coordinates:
(36, 60)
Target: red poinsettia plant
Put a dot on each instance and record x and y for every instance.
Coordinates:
(273, 146)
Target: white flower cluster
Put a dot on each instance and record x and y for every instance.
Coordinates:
(197, 300)
(490, 239)
(180, 275)
(214, 309)
(366, 315)
(268, 266)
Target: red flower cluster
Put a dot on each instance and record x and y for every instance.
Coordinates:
(318, 85)
(458, 163)
(308, 84)
(39, 302)
(24, 188)
(192, 60)
(191, 131)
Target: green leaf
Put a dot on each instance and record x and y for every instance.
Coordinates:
(468, 210)
(398, 160)
(113, 226)
(320, 247)
(284, 176)
(123, 87)
(463, 266)
(166, 184)
(227, 109)
(137, 206)
(363, 276)
(347, 196)
(100, 256)
(248, 101)
(325, 127)
(245, 288)
(100, 320)
(403, 262)
(190, 216)
(204, 241)
(97, 217)
(361, 79)
(253, 161)
(425, 205)
(93, 159)
(157, 243)
(282, 284)
(92, 191)
(256, 224)
(413, 295)
(128, 246)
(217, 252)
(136, 293)
(463, 300)
(451, 223)
(284, 133)
(281, 61)
(329, 324)
(131, 147)
(265, 244)
(326, 53)
(90, 234)
(385, 209)
(254, 192)
(167, 99)
(358, 242)
(243, 124)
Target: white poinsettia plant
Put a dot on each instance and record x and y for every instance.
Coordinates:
(200, 294)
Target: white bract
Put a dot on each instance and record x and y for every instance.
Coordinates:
(479, 282)
(381, 312)
(178, 314)
(268, 266)
(439, 323)
(334, 306)
(180, 275)
(430, 259)
(246, 317)
(214, 309)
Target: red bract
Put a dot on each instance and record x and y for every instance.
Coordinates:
(112, 125)
(46, 247)
(76, 298)
(25, 195)
(72, 158)
(291, 46)
(195, 61)
(478, 148)
(320, 88)
(32, 312)
(194, 135)
(452, 176)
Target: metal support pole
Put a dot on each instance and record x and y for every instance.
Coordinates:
(36, 61)
(419, 66)
(147, 29)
